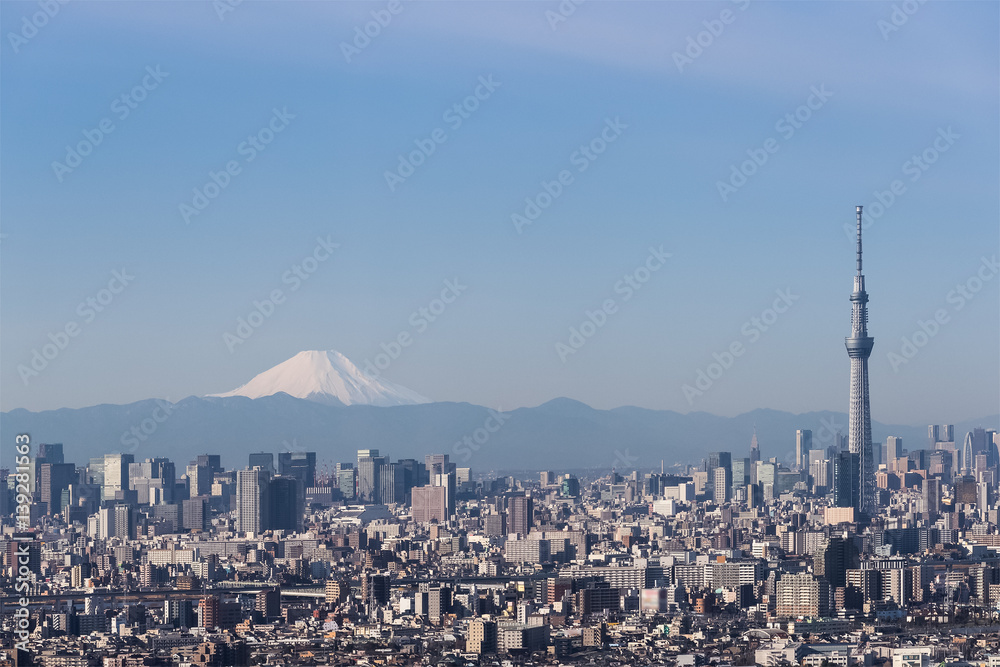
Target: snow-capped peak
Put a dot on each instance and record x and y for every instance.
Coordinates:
(326, 377)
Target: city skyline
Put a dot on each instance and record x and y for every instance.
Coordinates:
(357, 256)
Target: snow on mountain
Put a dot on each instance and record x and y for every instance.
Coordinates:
(326, 377)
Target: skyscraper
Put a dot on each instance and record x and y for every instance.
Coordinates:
(116, 474)
(299, 464)
(803, 443)
(520, 515)
(253, 507)
(287, 500)
(859, 348)
(369, 482)
(263, 460)
(55, 478)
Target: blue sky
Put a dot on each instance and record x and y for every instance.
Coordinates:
(887, 95)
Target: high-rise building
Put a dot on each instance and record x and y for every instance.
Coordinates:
(345, 480)
(931, 492)
(55, 479)
(298, 464)
(46, 453)
(741, 473)
(754, 456)
(723, 484)
(391, 483)
(834, 558)
(845, 480)
(802, 595)
(200, 478)
(717, 460)
(430, 503)
(482, 636)
(414, 473)
(859, 347)
(520, 515)
(369, 469)
(893, 449)
(263, 460)
(803, 443)
(942, 433)
(252, 501)
(212, 461)
(287, 499)
(153, 480)
(194, 513)
(116, 467)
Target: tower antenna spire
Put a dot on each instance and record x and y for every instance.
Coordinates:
(859, 240)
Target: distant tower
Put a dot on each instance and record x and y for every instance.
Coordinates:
(859, 348)
(754, 456)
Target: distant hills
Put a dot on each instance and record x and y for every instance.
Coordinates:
(561, 434)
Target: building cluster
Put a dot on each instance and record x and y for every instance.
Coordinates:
(738, 560)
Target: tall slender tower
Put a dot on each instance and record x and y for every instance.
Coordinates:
(859, 348)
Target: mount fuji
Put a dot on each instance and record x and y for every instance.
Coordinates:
(326, 377)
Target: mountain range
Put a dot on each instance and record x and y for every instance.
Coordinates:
(320, 401)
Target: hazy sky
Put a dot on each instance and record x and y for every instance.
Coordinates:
(666, 100)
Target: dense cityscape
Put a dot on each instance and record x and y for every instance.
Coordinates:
(740, 560)
(692, 307)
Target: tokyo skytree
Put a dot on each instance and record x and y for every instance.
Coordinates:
(859, 348)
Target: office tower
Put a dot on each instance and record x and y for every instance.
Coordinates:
(345, 480)
(298, 464)
(413, 473)
(767, 472)
(968, 454)
(200, 478)
(723, 484)
(932, 495)
(50, 453)
(520, 515)
(46, 453)
(55, 479)
(845, 480)
(430, 503)
(942, 433)
(741, 473)
(194, 514)
(717, 460)
(803, 443)
(116, 468)
(391, 483)
(287, 499)
(252, 501)
(859, 348)
(892, 450)
(263, 460)
(212, 461)
(153, 480)
(820, 470)
(547, 477)
(369, 486)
